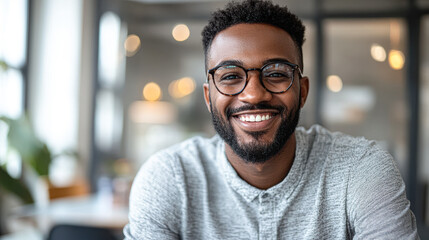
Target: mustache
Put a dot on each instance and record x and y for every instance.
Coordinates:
(230, 111)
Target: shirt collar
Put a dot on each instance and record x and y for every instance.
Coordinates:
(246, 190)
(281, 190)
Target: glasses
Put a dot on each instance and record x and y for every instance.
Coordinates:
(231, 80)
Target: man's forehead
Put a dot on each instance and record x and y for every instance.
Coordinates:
(247, 42)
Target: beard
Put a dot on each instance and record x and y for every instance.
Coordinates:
(257, 151)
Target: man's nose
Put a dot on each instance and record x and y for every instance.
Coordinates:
(254, 92)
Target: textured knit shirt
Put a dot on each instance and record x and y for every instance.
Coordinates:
(338, 187)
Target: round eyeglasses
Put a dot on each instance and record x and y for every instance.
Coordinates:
(231, 80)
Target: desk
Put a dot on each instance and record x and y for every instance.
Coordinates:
(88, 211)
(27, 234)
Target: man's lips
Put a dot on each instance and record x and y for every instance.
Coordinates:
(260, 108)
(256, 120)
(255, 116)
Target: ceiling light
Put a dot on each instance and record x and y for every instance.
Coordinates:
(334, 83)
(396, 59)
(152, 92)
(378, 53)
(132, 45)
(180, 32)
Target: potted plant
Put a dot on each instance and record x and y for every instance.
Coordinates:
(35, 156)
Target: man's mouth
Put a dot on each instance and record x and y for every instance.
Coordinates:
(255, 120)
(255, 117)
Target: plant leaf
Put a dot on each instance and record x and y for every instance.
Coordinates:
(15, 186)
(41, 160)
(3, 65)
(33, 151)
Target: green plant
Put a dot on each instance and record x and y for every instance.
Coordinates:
(33, 152)
(3, 65)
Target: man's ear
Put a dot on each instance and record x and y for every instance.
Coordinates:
(305, 87)
(207, 95)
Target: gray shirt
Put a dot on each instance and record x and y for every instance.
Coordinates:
(338, 187)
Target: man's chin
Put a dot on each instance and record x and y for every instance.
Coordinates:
(252, 152)
(257, 136)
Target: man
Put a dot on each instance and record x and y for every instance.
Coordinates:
(261, 177)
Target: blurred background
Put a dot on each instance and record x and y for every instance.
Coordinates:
(89, 89)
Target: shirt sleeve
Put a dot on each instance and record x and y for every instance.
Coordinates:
(154, 202)
(377, 203)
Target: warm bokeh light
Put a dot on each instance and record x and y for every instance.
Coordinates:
(186, 85)
(396, 59)
(132, 45)
(181, 87)
(378, 53)
(334, 83)
(180, 32)
(152, 92)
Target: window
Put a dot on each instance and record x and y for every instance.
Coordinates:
(13, 32)
(13, 53)
(365, 87)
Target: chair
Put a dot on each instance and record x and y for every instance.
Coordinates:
(75, 232)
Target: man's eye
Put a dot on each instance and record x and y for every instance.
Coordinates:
(276, 75)
(231, 77)
(230, 80)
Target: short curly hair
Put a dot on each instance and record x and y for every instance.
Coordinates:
(254, 11)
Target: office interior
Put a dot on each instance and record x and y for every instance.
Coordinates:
(103, 84)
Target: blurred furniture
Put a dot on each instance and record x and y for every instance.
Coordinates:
(74, 232)
(89, 216)
(25, 234)
(91, 211)
(78, 188)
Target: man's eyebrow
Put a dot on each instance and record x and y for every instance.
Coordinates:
(240, 63)
(230, 62)
(275, 60)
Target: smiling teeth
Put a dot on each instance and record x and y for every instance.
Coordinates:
(255, 118)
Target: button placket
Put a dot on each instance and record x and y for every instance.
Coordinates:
(266, 217)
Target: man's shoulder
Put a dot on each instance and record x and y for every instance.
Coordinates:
(338, 145)
(317, 134)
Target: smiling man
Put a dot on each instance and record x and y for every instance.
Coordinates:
(262, 177)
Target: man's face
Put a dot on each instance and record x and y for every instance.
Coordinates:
(251, 45)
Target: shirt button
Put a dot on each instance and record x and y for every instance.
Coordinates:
(265, 195)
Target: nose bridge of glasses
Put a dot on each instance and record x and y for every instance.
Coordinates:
(250, 85)
(258, 74)
(253, 69)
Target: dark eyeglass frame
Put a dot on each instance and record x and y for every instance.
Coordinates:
(294, 67)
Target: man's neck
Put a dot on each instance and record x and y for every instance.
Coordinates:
(267, 174)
